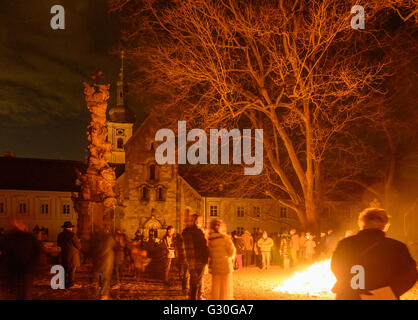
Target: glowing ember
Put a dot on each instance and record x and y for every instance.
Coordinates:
(317, 279)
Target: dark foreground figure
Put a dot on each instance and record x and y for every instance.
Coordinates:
(197, 255)
(20, 255)
(387, 262)
(70, 253)
(103, 254)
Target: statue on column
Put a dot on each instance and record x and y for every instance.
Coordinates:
(96, 202)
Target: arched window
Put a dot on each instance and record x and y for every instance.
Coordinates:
(152, 172)
(144, 193)
(160, 194)
(120, 143)
(153, 233)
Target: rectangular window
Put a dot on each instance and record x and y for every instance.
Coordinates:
(44, 208)
(1, 207)
(283, 212)
(213, 211)
(22, 207)
(240, 212)
(66, 209)
(240, 230)
(257, 212)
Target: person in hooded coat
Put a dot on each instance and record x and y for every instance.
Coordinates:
(221, 256)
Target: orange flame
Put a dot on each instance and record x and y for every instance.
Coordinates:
(316, 279)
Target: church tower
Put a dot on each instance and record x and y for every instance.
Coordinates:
(120, 124)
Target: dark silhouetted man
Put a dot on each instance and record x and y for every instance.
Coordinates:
(389, 270)
(197, 254)
(70, 253)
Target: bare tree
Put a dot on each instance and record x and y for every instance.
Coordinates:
(294, 68)
(405, 9)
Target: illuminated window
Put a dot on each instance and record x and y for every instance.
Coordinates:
(213, 211)
(240, 212)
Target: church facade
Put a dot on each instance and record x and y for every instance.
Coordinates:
(155, 196)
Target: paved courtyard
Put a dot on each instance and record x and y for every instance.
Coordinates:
(249, 284)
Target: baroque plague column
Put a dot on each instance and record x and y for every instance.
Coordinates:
(96, 202)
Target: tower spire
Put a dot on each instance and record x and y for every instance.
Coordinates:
(122, 55)
(120, 92)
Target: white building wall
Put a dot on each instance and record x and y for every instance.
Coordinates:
(53, 219)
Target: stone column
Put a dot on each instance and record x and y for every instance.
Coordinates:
(96, 202)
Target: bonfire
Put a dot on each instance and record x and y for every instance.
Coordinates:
(317, 279)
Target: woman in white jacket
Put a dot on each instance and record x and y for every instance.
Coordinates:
(221, 255)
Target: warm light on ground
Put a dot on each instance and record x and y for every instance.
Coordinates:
(316, 279)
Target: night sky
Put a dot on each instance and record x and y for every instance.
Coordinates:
(42, 109)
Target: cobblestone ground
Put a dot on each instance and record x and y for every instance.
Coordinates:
(249, 284)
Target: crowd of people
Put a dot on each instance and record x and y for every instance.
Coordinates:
(189, 255)
(286, 249)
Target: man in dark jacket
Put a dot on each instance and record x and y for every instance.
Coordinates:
(70, 253)
(197, 254)
(386, 262)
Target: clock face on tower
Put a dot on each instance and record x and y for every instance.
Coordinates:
(120, 132)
